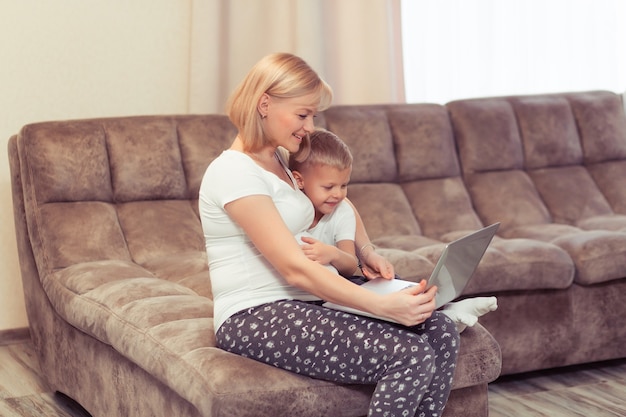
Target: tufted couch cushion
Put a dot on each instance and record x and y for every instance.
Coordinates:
(539, 188)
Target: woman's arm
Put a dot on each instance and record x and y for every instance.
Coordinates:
(373, 264)
(259, 218)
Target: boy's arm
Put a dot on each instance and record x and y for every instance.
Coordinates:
(342, 256)
(374, 265)
(347, 262)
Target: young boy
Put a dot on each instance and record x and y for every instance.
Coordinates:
(324, 176)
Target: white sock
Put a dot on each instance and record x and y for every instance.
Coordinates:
(477, 306)
(466, 312)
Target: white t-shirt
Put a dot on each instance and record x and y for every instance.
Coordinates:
(240, 276)
(334, 227)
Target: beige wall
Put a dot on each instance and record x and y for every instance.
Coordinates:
(66, 59)
(74, 59)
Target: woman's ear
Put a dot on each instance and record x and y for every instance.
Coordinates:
(299, 179)
(263, 105)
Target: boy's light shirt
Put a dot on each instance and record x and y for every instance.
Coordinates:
(332, 228)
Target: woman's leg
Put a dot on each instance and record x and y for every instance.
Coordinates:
(441, 334)
(336, 346)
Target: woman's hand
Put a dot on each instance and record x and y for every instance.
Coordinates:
(410, 306)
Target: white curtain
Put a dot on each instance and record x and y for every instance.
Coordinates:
(353, 44)
(458, 49)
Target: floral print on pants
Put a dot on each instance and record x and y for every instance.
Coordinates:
(411, 367)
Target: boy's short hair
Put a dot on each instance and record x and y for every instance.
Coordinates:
(326, 149)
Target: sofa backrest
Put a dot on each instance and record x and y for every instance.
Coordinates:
(530, 160)
(492, 160)
(553, 157)
(128, 186)
(116, 189)
(406, 176)
(602, 129)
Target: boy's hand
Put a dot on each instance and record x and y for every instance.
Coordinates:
(318, 251)
(377, 266)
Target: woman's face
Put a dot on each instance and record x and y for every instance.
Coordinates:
(288, 120)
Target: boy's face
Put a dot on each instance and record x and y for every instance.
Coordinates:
(325, 186)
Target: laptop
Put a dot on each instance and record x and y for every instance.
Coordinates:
(453, 270)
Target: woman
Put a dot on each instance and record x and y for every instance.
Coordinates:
(267, 293)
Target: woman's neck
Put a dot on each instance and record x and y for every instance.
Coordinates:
(266, 158)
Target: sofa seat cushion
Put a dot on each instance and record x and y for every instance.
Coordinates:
(205, 375)
(615, 222)
(521, 264)
(597, 254)
(513, 264)
(190, 269)
(508, 264)
(167, 329)
(151, 321)
(87, 295)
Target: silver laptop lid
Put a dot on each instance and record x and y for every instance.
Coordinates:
(457, 263)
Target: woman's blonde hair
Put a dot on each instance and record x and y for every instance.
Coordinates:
(280, 75)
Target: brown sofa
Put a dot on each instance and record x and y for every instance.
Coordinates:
(117, 288)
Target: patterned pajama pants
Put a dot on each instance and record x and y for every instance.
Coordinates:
(411, 367)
